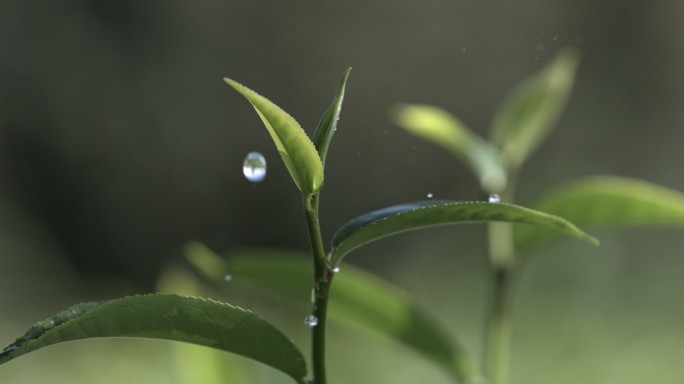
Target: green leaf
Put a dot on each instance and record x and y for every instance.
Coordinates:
(608, 201)
(358, 299)
(400, 218)
(170, 317)
(195, 364)
(294, 145)
(529, 113)
(440, 127)
(328, 124)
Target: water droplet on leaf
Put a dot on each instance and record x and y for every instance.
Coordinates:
(311, 321)
(429, 195)
(254, 167)
(494, 198)
(336, 269)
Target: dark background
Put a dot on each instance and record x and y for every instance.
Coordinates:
(119, 142)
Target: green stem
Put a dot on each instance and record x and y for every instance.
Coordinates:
(499, 322)
(322, 280)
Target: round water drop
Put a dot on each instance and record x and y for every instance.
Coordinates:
(227, 278)
(494, 198)
(254, 167)
(311, 321)
(336, 269)
(429, 195)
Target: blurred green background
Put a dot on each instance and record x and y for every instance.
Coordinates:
(119, 143)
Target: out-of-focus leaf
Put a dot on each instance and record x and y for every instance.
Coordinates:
(295, 147)
(328, 124)
(169, 317)
(442, 128)
(529, 113)
(400, 218)
(608, 201)
(358, 299)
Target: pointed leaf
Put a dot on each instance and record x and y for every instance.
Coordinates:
(400, 218)
(294, 145)
(170, 317)
(358, 299)
(608, 201)
(440, 127)
(328, 124)
(529, 113)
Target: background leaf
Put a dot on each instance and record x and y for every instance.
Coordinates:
(328, 124)
(294, 145)
(358, 299)
(400, 218)
(607, 201)
(170, 317)
(440, 127)
(529, 113)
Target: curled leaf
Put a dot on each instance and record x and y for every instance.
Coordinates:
(328, 124)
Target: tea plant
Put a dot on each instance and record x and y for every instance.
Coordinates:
(360, 298)
(522, 122)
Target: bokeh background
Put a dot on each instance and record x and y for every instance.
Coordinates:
(119, 143)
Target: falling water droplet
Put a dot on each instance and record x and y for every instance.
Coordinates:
(311, 321)
(254, 167)
(429, 195)
(494, 198)
(227, 278)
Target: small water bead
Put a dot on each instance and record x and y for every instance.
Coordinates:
(429, 195)
(311, 321)
(494, 198)
(227, 278)
(254, 167)
(336, 269)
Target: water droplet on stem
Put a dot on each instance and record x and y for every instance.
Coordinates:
(311, 321)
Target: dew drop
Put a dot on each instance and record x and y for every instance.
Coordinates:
(254, 167)
(429, 195)
(311, 321)
(336, 269)
(227, 278)
(494, 198)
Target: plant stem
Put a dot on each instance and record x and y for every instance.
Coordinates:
(499, 323)
(322, 280)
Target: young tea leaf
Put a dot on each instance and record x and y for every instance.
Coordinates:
(608, 201)
(170, 317)
(440, 127)
(293, 144)
(529, 113)
(400, 218)
(358, 299)
(328, 124)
